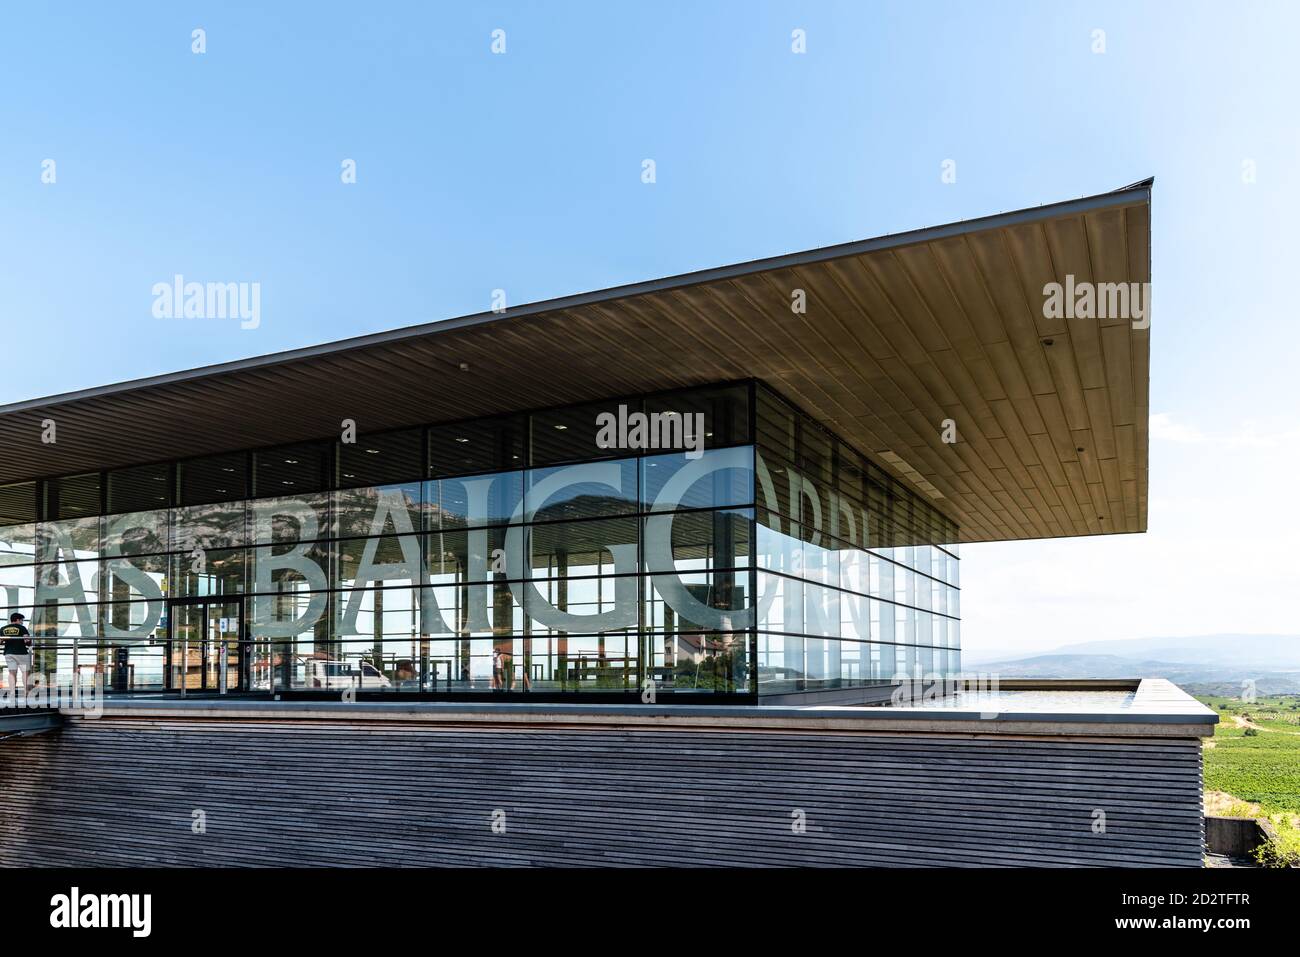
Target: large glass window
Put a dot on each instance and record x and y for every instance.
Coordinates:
(388, 509)
(139, 489)
(217, 478)
(856, 580)
(474, 501)
(573, 433)
(291, 469)
(206, 527)
(73, 496)
(382, 459)
(17, 504)
(491, 445)
(715, 545)
(582, 490)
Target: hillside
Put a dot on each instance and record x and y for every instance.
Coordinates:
(1197, 677)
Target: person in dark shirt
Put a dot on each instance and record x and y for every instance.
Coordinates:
(18, 650)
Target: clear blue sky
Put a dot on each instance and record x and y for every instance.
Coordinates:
(522, 171)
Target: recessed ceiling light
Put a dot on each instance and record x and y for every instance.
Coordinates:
(349, 475)
(462, 440)
(561, 428)
(372, 451)
(708, 435)
(291, 461)
(224, 469)
(286, 482)
(222, 490)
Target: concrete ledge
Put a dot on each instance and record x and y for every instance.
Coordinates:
(1158, 709)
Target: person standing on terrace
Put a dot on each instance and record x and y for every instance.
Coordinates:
(18, 650)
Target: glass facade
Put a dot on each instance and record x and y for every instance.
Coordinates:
(857, 576)
(528, 555)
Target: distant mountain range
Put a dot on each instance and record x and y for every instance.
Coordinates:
(1206, 664)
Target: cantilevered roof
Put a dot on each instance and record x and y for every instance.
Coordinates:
(899, 334)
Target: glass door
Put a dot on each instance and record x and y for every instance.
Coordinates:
(184, 657)
(224, 652)
(204, 651)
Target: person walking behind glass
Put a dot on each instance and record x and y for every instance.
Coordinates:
(18, 650)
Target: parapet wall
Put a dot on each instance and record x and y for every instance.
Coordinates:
(228, 783)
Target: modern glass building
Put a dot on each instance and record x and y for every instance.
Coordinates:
(740, 484)
(516, 555)
(625, 566)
